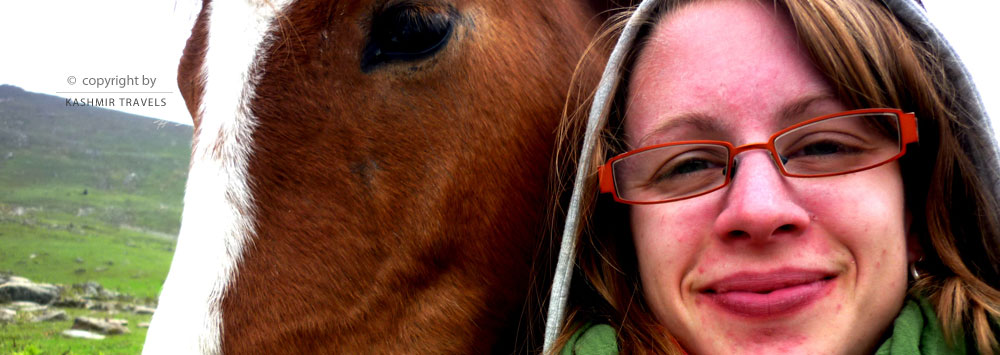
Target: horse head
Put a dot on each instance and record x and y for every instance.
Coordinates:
(366, 176)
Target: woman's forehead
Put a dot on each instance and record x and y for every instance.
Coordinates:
(694, 125)
(730, 59)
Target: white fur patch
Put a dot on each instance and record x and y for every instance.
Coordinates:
(216, 222)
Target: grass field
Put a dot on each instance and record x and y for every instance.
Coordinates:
(65, 249)
(86, 194)
(46, 338)
(52, 246)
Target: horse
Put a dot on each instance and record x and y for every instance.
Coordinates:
(367, 176)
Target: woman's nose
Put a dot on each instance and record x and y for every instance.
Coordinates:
(760, 206)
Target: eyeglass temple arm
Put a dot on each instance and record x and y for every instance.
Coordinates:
(606, 178)
(908, 121)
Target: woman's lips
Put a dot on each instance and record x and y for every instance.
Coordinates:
(764, 295)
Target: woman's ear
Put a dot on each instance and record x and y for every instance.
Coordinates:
(914, 251)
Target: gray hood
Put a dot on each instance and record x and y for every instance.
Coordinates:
(977, 139)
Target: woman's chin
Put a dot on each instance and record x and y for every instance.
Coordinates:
(764, 339)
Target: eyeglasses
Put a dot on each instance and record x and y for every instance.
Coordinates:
(836, 144)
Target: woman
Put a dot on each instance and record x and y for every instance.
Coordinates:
(767, 192)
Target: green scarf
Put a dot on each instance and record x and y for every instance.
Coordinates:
(592, 339)
(915, 331)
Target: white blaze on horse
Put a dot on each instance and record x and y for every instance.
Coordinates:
(366, 176)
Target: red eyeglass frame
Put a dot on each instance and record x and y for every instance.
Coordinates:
(907, 128)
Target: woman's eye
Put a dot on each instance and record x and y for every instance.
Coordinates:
(686, 168)
(404, 33)
(822, 148)
(690, 166)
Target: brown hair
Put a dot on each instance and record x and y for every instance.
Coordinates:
(871, 60)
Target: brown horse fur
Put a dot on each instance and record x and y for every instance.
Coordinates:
(397, 210)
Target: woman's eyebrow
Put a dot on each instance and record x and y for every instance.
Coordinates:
(791, 113)
(697, 121)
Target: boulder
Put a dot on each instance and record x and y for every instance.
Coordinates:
(72, 303)
(103, 326)
(82, 334)
(88, 289)
(19, 290)
(106, 294)
(24, 306)
(93, 290)
(7, 315)
(11, 278)
(102, 306)
(51, 316)
(143, 310)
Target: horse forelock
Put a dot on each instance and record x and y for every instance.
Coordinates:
(217, 76)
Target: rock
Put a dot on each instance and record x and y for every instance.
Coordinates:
(72, 303)
(83, 334)
(51, 316)
(24, 306)
(100, 269)
(143, 310)
(79, 260)
(102, 306)
(7, 315)
(103, 326)
(143, 325)
(27, 291)
(12, 278)
(88, 289)
(107, 294)
(94, 290)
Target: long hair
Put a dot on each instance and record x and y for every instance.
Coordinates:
(871, 60)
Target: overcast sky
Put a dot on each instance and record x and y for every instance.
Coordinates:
(44, 42)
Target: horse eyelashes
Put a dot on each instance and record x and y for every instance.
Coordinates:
(403, 33)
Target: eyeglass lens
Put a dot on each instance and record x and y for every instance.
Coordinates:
(831, 146)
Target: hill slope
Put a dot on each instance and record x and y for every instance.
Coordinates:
(88, 193)
(132, 168)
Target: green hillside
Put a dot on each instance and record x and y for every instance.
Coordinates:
(86, 194)
(118, 168)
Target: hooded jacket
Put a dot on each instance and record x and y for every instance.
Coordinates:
(977, 141)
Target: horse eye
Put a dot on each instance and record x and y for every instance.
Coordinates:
(403, 33)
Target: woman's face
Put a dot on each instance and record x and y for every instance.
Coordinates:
(769, 264)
